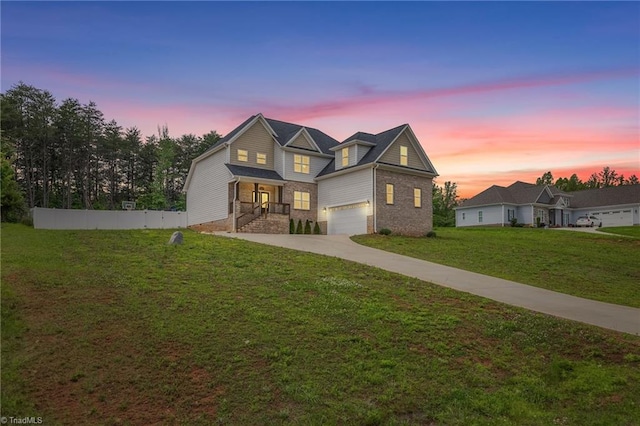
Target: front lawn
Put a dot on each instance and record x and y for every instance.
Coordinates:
(629, 231)
(599, 267)
(117, 327)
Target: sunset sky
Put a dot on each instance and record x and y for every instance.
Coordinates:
(495, 92)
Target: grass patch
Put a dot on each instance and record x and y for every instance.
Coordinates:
(629, 231)
(598, 267)
(116, 327)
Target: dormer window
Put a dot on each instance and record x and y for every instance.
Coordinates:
(404, 155)
(345, 157)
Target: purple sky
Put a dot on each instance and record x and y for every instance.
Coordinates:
(495, 92)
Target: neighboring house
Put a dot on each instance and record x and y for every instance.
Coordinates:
(497, 205)
(266, 172)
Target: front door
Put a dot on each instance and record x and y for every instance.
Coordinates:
(264, 201)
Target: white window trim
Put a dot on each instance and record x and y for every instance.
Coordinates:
(301, 166)
(345, 156)
(405, 156)
(418, 198)
(299, 202)
(387, 193)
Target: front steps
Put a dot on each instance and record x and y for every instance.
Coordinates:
(271, 224)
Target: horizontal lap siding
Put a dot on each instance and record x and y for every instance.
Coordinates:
(392, 155)
(345, 189)
(302, 142)
(255, 139)
(491, 215)
(207, 196)
(316, 165)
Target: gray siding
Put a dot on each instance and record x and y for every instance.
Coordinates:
(361, 151)
(352, 157)
(302, 142)
(491, 215)
(392, 155)
(278, 159)
(207, 196)
(255, 139)
(345, 189)
(316, 164)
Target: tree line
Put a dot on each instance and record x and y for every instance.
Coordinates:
(604, 178)
(68, 155)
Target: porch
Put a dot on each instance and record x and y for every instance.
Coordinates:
(259, 204)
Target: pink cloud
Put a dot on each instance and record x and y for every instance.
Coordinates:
(375, 100)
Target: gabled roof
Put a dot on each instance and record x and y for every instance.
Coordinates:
(253, 172)
(527, 193)
(609, 196)
(379, 144)
(282, 132)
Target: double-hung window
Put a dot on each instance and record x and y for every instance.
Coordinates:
(301, 200)
(404, 155)
(261, 158)
(345, 157)
(417, 197)
(301, 163)
(389, 190)
(243, 155)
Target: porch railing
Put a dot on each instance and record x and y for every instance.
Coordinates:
(251, 211)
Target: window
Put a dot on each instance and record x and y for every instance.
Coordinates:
(261, 158)
(243, 155)
(480, 216)
(463, 216)
(417, 197)
(345, 157)
(511, 214)
(389, 193)
(404, 155)
(301, 164)
(300, 200)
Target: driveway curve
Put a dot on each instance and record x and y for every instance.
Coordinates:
(606, 315)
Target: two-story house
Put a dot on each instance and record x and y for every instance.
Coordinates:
(266, 172)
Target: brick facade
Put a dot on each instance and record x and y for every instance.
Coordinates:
(303, 215)
(402, 217)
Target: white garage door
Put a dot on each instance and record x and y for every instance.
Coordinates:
(347, 220)
(621, 217)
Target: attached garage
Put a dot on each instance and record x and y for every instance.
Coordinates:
(348, 219)
(620, 217)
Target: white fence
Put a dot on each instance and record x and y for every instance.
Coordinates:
(107, 219)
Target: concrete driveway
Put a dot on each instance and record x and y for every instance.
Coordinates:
(606, 315)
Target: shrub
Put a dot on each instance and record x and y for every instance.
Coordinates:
(431, 234)
(316, 229)
(292, 226)
(307, 227)
(514, 221)
(385, 231)
(299, 227)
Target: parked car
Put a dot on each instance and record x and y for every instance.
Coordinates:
(588, 221)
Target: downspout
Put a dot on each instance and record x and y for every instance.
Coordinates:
(502, 220)
(235, 194)
(375, 204)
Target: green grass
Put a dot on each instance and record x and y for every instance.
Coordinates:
(629, 231)
(599, 267)
(117, 327)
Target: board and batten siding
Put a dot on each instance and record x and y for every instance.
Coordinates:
(345, 189)
(392, 155)
(316, 165)
(207, 195)
(254, 140)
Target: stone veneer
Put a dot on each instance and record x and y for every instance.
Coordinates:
(216, 225)
(402, 217)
